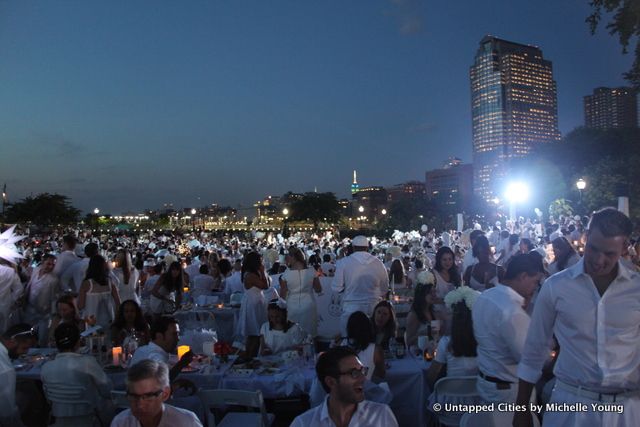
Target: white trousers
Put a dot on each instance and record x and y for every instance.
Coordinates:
(625, 413)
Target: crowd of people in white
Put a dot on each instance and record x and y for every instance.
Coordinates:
(520, 305)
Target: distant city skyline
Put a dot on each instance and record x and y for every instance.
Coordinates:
(125, 106)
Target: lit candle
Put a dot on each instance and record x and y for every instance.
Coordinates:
(182, 350)
(185, 289)
(116, 354)
(220, 305)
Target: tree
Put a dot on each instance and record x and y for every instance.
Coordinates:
(43, 209)
(625, 23)
(316, 208)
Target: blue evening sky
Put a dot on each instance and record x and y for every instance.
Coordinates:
(125, 105)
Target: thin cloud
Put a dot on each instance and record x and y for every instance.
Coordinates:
(409, 16)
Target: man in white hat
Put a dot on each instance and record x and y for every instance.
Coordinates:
(363, 279)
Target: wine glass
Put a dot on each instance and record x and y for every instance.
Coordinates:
(423, 343)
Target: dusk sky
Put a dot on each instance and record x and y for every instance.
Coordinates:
(126, 105)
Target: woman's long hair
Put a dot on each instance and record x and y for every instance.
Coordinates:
(169, 282)
(124, 264)
(390, 328)
(360, 331)
(97, 270)
(454, 274)
(568, 252)
(396, 272)
(419, 303)
(463, 343)
(140, 324)
(251, 263)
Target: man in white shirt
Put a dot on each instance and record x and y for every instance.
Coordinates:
(593, 309)
(73, 276)
(67, 257)
(165, 334)
(342, 376)
(147, 390)
(233, 283)
(80, 371)
(13, 343)
(500, 325)
(363, 279)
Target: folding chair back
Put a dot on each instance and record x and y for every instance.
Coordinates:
(223, 398)
(454, 389)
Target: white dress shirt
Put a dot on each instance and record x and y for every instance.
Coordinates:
(171, 417)
(79, 370)
(233, 283)
(11, 290)
(599, 336)
(9, 414)
(64, 261)
(500, 326)
(367, 414)
(363, 278)
(151, 351)
(73, 276)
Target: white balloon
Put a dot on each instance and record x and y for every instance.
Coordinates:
(424, 228)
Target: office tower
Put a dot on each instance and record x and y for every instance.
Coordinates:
(611, 108)
(451, 185)
(513, 107)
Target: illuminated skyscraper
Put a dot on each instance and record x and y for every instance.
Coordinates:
(513, 108)
(611, 108)
(354, 185)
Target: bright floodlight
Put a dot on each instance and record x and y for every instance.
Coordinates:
(193, 211)
(361, 209)
(517, 192)
(383, 211)
(581, 184)
(285, 211)
(96, 211)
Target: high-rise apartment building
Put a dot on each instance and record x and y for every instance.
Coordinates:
(611, 108)
(513, 107)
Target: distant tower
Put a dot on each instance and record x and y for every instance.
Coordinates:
(354, 186)
(611, 108)
(513, 108)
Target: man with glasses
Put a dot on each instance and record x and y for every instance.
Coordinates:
(13, 343)
(342, 376)
(165, 334)
(147, 390)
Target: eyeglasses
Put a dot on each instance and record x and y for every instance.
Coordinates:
(356, 373)
(32, 332)
(143, 397)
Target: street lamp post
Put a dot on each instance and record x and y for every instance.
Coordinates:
(361, 217)
(581, 184)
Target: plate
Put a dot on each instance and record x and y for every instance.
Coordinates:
(239, 372)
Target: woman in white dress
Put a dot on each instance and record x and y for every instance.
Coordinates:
(127, 277)
(447, 279)
(253, 309)
(98, 297)
(297, 284)
(279, 334)
(564, 255)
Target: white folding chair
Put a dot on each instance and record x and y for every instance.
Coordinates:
(454, 388)
(119, 399)
(492, 419)
(249, 399)
(69, 404)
